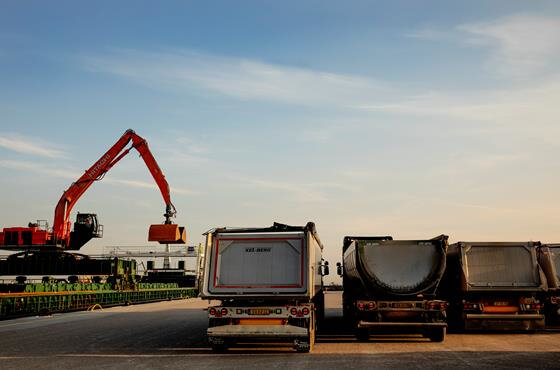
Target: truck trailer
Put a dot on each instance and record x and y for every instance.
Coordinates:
(270, 284)
(494, 285)
(549, 259)
(392, 284)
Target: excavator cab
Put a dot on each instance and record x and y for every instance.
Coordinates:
(86, 228)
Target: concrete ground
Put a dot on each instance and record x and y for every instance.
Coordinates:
(172, 335)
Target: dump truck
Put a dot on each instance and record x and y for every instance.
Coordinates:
(549, 260)
(494, 285)
(392, 284)
(269, 282)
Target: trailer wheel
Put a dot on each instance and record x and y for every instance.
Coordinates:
(218, 345)
(362, 334)
(307, 346)
(437, 334)
(220, 348)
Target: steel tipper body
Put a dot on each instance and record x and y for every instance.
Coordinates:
(494, 285)
(392, 283)
(269, 282)
(549, 260)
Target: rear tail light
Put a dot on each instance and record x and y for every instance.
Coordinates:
(212, 311)
(470, 306)
(366, 305)
(437, 306)
(305, 311)
(293, 311)
(224, 311)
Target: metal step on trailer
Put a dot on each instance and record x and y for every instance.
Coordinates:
(40, 303)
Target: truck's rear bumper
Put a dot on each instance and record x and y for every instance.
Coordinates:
(370, 324)
(257, 331)
(504, 321)
(493, 316)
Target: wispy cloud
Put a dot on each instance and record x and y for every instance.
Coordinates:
(534, 103)
(429, 33)
(150, 185)
(31, 146)
(519, 45)
(522, 44)
(315, 192)
(74, 174)
(236, 77)
(39, 168)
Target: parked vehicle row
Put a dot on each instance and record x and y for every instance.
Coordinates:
(270, 285)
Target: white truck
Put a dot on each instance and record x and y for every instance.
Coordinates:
(269, 282)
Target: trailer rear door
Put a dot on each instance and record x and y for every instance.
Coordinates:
(501, 266)
(258, 263)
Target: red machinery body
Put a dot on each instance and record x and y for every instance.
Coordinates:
(86, 225)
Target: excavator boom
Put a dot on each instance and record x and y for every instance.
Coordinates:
(61, 235)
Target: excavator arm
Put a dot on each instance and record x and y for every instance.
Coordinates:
(62, 225)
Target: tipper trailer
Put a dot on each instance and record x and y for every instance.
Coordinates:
(494, 285)
(549, 260)
(269, 282)
(392, 284)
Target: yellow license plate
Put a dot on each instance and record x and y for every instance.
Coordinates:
(501, 303)
(402, 305)
(259, 311)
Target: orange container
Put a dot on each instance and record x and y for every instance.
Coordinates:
(182, 237)
(163, 233)
(167, 234)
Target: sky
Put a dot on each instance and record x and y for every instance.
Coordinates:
(401, 118)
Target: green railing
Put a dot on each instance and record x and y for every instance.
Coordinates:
(36, 303)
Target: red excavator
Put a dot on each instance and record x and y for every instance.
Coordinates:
(37, 236)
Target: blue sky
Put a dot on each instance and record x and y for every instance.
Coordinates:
(409, 118)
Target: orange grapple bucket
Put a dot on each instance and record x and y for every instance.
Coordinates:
(167, 234)
(182, 237)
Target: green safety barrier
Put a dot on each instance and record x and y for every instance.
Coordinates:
(68, 287)
(29, 304)
(157, 285)
(65, 287)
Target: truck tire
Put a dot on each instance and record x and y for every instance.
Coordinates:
(307, 346)
(437, 334)
(362, 334)
(220, 348)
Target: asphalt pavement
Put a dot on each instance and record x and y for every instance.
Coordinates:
(172, 335)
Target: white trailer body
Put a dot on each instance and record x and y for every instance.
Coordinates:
(269, 281)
